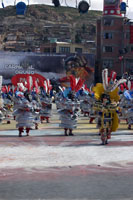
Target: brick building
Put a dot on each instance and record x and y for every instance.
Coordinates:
(114, 41)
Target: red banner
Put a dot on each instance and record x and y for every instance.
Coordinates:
(22, 78)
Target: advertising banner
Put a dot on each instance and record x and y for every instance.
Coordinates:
(49, 66)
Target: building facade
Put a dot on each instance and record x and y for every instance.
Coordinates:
(63, 47)
(114, 41)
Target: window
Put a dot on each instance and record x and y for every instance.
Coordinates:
(107, 35)
(107, 64)
(131, 48)
(108, 22)
(78, 50)
(105, 11)
(123, 51)
(54, 50)
(47, 50)
(127, 35)
(107, 49)
(108, 2)
(118, 12)
(129, 66)
(112, 11)
(130, 69)
(64, 49)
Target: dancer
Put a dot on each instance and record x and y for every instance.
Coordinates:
(129, 96)
(70, 107)
(8, 103)
(24, 108)
(24, 112)
(107, 98)
(46, 102)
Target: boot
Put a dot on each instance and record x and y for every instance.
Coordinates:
(91, 120)
(129, 127)
(109, 136)
(27, 131)
(21, 130)
(65, 131)
(70, 132)
(42, 118)
(36, 126)
(47, 119)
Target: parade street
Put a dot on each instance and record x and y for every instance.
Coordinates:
(49, 165)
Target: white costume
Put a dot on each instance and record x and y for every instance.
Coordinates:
(46, 107)
(24, 115)
(68, 115)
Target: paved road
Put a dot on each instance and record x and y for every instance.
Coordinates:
(49, 165)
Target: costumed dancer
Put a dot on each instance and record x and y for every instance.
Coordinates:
(36, 105)
(46, 102)
(24, 109)
(2, 110)
(129, 96)
(59, 97)
(70, 107)
(86, 98)
(107, 98)
(84, 102)
(8, 103)
(125, 103)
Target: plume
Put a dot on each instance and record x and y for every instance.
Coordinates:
(79, 85)
(129, 85)
(72, 82)
(105, 78)
(46, 86)
(29, 83)
(1, 79)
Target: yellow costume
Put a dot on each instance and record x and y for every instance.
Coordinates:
(114, 97)
(107, 98)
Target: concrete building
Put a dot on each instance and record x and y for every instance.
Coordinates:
(114, 41)
(63, 47)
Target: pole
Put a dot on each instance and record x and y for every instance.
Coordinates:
(76, 4)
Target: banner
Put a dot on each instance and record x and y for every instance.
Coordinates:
(48, 66)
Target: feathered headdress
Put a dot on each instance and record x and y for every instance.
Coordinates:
(29, 83)
(21, 87)
(110, 83)
(35, 85)
(1, 78)
(75, 84)
(128, 85)
(110, 86)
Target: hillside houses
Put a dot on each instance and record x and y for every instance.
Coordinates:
(32, 32)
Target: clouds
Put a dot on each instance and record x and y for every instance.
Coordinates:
(95, 4)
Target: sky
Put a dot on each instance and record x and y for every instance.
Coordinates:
(95, 4)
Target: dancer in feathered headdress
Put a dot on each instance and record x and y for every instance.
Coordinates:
(107, 97)
(24, 111)
(125, 98)
(2, 110)
(8, 103)
(70, 106)
(129, 96)
(46, 101)
(86, 97)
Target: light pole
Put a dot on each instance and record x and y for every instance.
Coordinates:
(76, 4)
